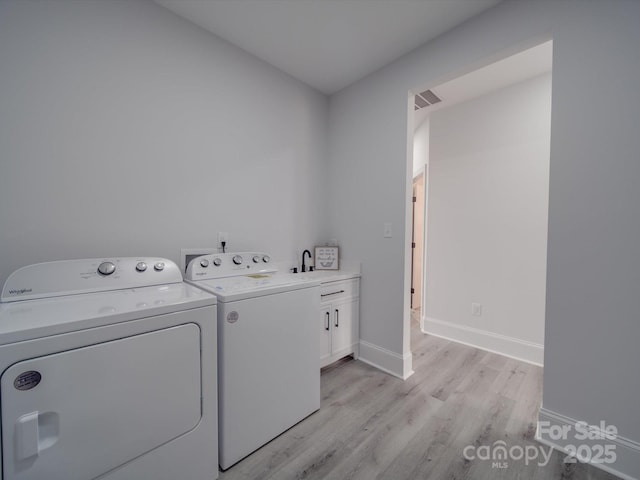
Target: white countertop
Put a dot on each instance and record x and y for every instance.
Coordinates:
(326, 276)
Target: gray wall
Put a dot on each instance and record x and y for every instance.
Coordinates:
(592, 327)
(126, 130)
(487, 219)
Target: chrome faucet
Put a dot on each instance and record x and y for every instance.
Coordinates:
(304, 267)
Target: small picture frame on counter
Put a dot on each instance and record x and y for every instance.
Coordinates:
(326, 258)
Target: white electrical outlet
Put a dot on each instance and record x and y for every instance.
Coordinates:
(387, 230)
(476, 309)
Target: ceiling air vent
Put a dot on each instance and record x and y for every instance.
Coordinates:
(426, 98)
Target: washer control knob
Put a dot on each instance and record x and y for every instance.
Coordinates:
(217, 262)
(141, 266)
(237, 259)
(106, 268)
(266, 259)
(204, 263)
(256, 258)
(158, 267)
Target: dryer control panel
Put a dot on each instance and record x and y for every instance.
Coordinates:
(220, 265)
(69, 277)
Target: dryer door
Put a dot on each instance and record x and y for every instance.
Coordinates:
(80, 413)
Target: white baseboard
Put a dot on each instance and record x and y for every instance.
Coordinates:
(386, 360)
(627, 451)
(529, 352)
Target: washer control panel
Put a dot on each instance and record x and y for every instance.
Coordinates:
(220, 265)
(68, 277)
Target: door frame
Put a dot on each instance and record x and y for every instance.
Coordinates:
(424, 172)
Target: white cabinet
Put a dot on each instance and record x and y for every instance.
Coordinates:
(339, 313)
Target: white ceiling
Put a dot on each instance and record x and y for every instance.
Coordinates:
(328, 44)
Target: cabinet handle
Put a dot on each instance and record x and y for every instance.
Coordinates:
(327, 327)
(337, 318)
(332, 293)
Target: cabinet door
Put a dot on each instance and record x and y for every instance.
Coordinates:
(325, 333)
(343, 317)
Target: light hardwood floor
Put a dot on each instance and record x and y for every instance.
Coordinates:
(374, 426)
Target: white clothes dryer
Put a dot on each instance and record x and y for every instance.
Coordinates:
(108, 371)
(268, 348)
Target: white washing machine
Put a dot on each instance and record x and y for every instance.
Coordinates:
(268, 348)
(108, 371)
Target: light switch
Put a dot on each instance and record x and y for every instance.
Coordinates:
(387, 230)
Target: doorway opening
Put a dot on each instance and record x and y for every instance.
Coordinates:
(481, 147)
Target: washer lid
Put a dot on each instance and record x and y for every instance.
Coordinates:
(69, 277)
(31, 319)
(239, 288)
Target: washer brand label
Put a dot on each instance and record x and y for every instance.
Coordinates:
(27, 380)
(232, 317)
(20, 291)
